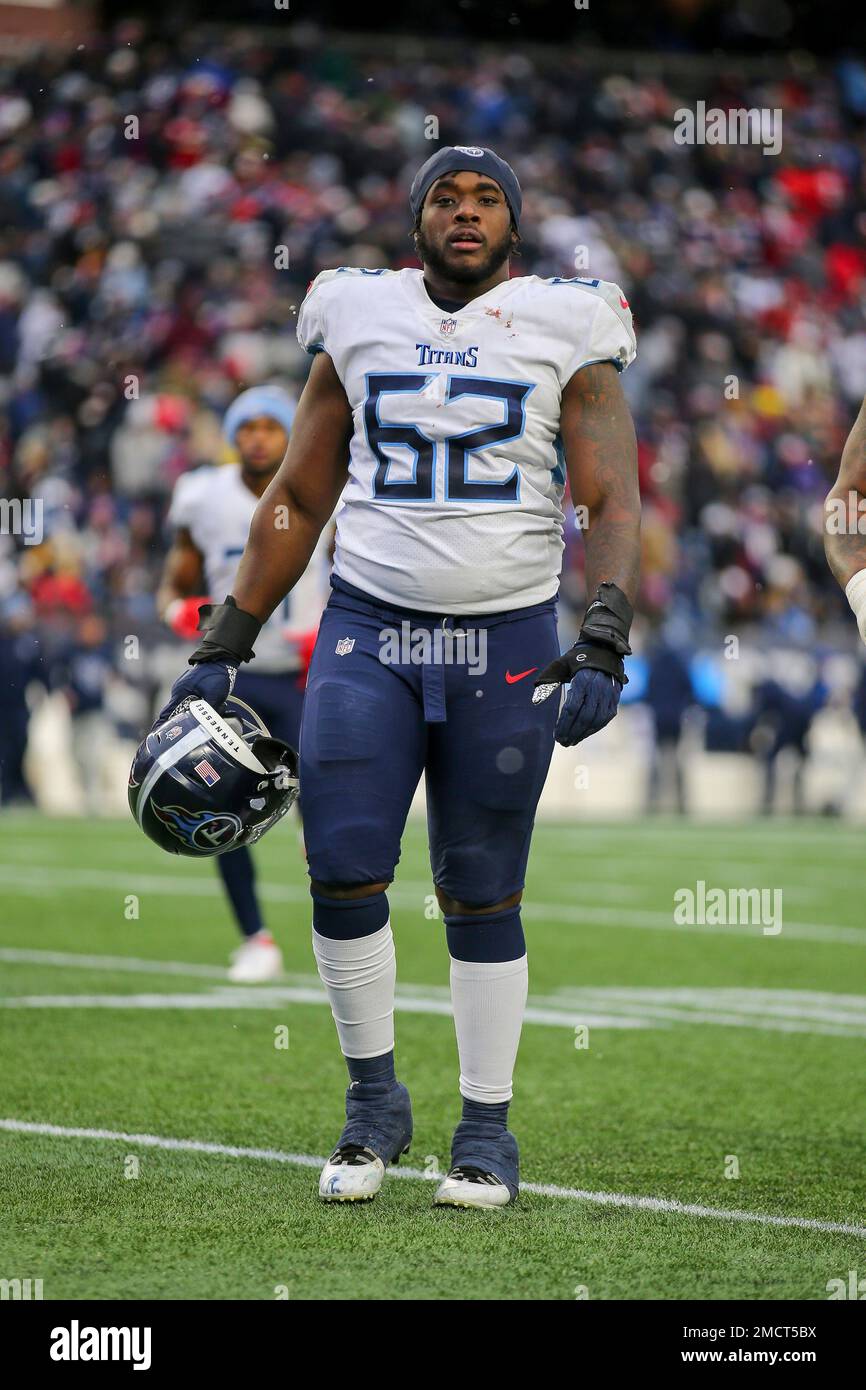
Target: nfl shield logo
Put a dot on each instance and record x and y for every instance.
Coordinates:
(447, 325)
(344, 646)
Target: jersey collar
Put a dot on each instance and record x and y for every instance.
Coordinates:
(489, 302)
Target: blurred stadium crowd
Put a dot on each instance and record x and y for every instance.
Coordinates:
(163, 210)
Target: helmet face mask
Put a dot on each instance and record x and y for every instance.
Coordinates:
(203, 783)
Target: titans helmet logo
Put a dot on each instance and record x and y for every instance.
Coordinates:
(207, 831)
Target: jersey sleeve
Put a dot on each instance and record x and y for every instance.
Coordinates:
(185, 504)
(312, 327)
(611, 335)
(328, 303)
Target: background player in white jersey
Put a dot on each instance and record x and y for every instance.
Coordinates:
(450, 402)
(844, 528)
(211, 510)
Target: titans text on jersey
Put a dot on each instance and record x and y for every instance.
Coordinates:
(456, 478)
(429, 356)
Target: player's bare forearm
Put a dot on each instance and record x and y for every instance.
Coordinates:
(844, 541)
(299, 502)
(601, 456)
(183, 575)
(281, 542)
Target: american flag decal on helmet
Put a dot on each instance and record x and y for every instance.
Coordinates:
(208, 774)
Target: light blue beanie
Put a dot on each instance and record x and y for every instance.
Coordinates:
(259, 400)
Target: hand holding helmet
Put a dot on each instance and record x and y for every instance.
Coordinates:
(205, 781)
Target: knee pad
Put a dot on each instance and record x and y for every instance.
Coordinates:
(346, 919)
(491, 936)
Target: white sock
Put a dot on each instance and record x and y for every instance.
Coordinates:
(488, 998)
(360, 976)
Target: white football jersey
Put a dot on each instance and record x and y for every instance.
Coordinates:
(216, 507)
(456, 474)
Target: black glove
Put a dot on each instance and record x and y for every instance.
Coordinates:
(601, 645)
(229, 634)
(583, 656)
(607, 620)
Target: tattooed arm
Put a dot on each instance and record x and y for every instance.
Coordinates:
(844, 544)
(601, 456)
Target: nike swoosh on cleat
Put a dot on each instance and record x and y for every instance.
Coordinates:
(511, 679)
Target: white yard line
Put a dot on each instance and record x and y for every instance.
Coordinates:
(239, 998)
(766, 1010)
(46, 882)
(132, 965)
(550, 1018)
(571, 1194)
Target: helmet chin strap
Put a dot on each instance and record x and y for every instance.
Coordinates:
(226, 737)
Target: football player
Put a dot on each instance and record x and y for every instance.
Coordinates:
(451, 403)
(844, 525)
(210, 511)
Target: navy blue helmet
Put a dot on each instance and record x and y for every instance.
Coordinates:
(204, 782)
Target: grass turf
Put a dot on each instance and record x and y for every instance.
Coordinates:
(652, 1111)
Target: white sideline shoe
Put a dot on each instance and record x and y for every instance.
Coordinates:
(351, 1174)
(378, 1131)
(470, 1187)
(257, 960)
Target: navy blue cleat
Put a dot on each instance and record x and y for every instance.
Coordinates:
(485, 1167)
(377, 1132)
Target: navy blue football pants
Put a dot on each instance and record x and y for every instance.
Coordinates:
(371, 727)
(278, 700)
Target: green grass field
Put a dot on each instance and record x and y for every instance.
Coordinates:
(711, 1051)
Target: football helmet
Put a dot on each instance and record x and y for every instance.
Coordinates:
(204, 782)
